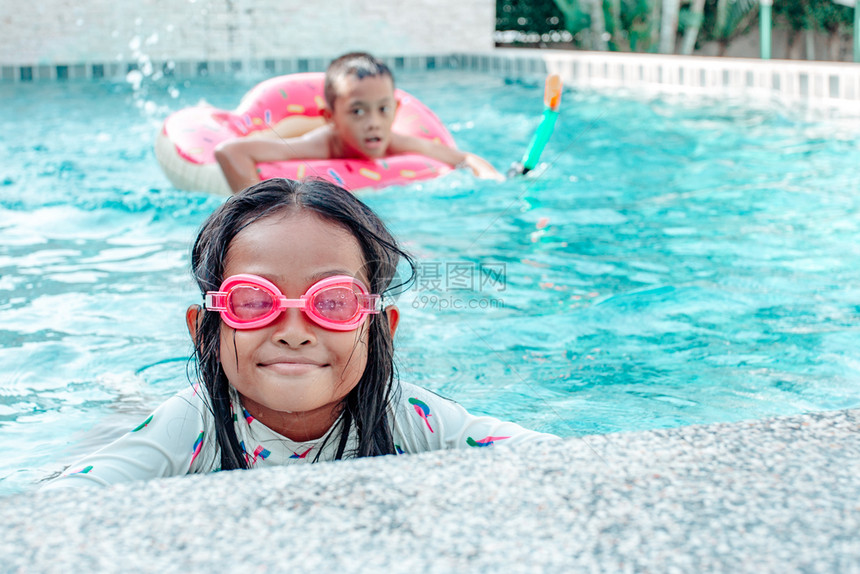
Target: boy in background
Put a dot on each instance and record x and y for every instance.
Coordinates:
(360, 108)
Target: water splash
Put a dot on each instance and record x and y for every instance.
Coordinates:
(144, 78)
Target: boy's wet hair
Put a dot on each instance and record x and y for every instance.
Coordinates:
(364, 409)
(359, 64)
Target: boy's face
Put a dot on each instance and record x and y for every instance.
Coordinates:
(363, 114)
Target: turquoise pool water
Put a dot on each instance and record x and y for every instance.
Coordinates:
(678, 262)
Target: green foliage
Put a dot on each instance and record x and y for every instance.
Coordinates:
(544, 16)
(635, 21)
(535, 16)
(824, 15)
(722, 21)
(792, 15)
(832, 17)
(575, 19)
(734, 17)
(687, 19)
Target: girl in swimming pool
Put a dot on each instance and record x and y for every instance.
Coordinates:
(293, 349)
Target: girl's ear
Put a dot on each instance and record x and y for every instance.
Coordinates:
(193, 318)
(392, 313)
(327, 114)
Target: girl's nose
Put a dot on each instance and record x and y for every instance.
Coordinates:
(293, 328)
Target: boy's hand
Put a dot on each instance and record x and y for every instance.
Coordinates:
(481, 167)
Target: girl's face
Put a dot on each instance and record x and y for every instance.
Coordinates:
(292, 374)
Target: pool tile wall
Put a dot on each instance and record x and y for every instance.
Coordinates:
(195, 68)
(821, 85)
(816, 85)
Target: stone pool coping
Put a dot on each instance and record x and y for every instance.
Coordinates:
(773, 495)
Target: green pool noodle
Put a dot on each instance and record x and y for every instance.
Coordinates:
(552, 101)
(540, 139)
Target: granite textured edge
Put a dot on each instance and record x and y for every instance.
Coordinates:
(774, 495)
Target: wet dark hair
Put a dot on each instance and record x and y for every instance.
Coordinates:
(360, 64)
(365, 407)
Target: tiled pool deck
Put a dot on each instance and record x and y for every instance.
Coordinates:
(778, 495)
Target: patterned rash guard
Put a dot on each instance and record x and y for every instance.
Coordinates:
(179, 438)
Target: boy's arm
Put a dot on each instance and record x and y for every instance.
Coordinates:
(239, 157)
(401, 143)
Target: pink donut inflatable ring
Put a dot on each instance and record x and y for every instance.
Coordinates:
(185, 145)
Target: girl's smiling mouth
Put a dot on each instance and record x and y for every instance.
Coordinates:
(292, 366)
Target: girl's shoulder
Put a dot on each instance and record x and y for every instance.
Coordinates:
(189, 401)
(413, 391)
(415, 401)
(425, 420)
(176, 438)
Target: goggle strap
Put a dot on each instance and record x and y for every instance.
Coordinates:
(215, 301)
(370, 303)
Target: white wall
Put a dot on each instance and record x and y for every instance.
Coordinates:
(70, 32)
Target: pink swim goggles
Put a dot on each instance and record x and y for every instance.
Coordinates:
(339, 303)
